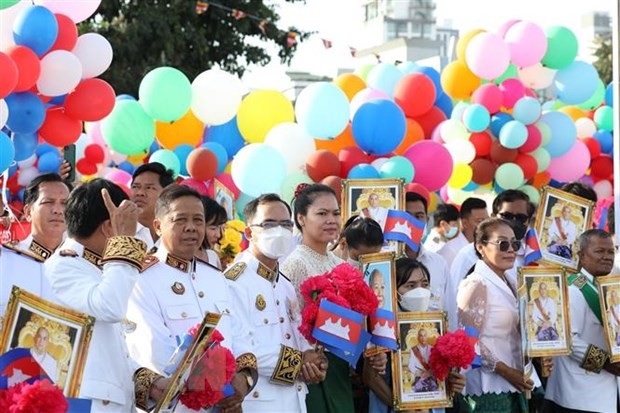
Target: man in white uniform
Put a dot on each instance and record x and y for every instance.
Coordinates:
(267, 300)
(419, 366)
(562, 234)
(40, 354)
(445, 237)
(374, 210)
(544, 315)
(176, 291)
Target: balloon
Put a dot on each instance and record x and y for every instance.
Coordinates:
(562, 47)
(509, 176)
(513, 134)
(487, 55)
(363, 171)
(533, 141)
(476, 118)
(165, 94)
(483, 171)
(4, 4)
(59, 129)
(609, 94)
(444, 102)
(8, 75)
(407, 67)
(321, 164)
(461, 150)
(461, 175)
(94, 153)
(260, 111)
(36, 28)
(379, 126)
(67, 33)
(531, 192)
(41, 149)
(397, 167)
(94, 53)
(430, 120)
(128, 129)
(415, 94)
(4, 113)
(384, 77)
(578, 157)
(463, 42)
(227, 135)
(322, 110)
(528, 165)
(258, 169)
(216, 96)
(26, 112)
(119, 177)
(196, 185)
(61, 72)
(49, 162)
(543, 159)
(482, 143)
(511, 73)
(364, 96)
(605, 139)
(362, 71)
(92, 100)
(219, 152)
(433, 75)
(603, 189)
(536, 76)
(350, 84)
(563, 133)
(458, 81)
(7, 152)
(573, 111)
(489, 96)
(527, 43)
(425, 156)
(27, 175)
(604, 118)
(290, 183)
(413, 134)
(349, 158)
(513, 90)
(594, 147)
(28, 66)
(187, 130)
(335, 145)
(527, 110)
(77, 11)
(168, 159)
(585, 127)
(335, 183)
(575, 83)
(293, 143)
(25, 145)
(182, 152)
(501, 154)
(452, 130)
(602, 167)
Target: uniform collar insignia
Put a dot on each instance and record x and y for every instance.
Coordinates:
(40, 250)
(178, 263)
(92, 257)
(266, 273)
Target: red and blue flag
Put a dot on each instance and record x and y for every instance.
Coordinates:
(17, 366)
(532, 247)
(472, 334)
(338, 327)
(382, 327)
(402, 226)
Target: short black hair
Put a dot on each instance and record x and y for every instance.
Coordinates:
(445, 212)
(166, 176)
(611, 219)
(415, 197)
(31, 193)
(584, 238)
(405, 266)
(251, 207)
(170, 194)
(509, 195)
(306, 197)
(470, 204)
(85, 210)
(363, 231)
(215, 214)
(580, 189)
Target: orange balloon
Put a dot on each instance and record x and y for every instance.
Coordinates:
(458, 81)
(413, 134)
(350, 84)
(573, 111)
(462, 43)
(541, 179)
(335, 145)
(187, 130)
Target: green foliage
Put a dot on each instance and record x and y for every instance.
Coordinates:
(146, 34)
(603, 63)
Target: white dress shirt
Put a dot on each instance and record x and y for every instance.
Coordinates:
(440, 273)
(144, 233)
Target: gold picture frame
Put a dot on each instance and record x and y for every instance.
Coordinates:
(545, 311)
(414, 391)
(609, 296)
(560, 219)
(68, 331)
(225, 198)
(196, 349)
(390, 194)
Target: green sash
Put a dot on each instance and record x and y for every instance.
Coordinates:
(589, 291)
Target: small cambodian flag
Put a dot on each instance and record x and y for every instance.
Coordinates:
(532, 247)
(17, 366)
(337, 326)
(403, 227)
(352, 356)
(472, 334)
(382, 326)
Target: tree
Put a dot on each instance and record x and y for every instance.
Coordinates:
(603, 63)
(146, 34)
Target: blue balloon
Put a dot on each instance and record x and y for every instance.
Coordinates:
(606, 139)
(433, 75)
(37, 28)
(124, 97)
(227, 135)
(220, 154)
(379, 126)
(45, 148)
(58, 100)
(182, 152)
(555, 184)
(127, 167)
(609, 94)
(322, 110)
(13, 169)
(49, 162)
(20, 194)
(363, 171)
(408, 67)
(575, 83)
(498, 121)
(25, 144)
(527, 110)
(444, 102)
(7, 152)
(563, 133)
(476, 118)
(26, 112)
(154, 147)
(471, 186)
(458, 110)
(384, 77)
(513, 135)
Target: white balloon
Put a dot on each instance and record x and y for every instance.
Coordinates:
(585, 127)
(216, 96)
(61, 72)
(462, 151)
(7, 17)
(27, 175)
(293, 143)
(28, 162)
(4, 113)
(378, 163)
(603, 189)
(77, 11)
(94, 52)
(536, 76)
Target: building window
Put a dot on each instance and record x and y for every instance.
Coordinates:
(371, 10)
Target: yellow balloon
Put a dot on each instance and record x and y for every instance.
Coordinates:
(461, 176)
(573, 111)
(458, 81)
(228, 168)
(260, 111)
(434, 201)
(461, 45)
(186, 130)
(137, 159)
(350, 84)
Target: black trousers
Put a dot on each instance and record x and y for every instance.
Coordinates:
(552, 407)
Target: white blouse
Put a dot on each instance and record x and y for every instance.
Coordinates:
(304, 262)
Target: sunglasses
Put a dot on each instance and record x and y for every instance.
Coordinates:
(509, 216)
(505, 245)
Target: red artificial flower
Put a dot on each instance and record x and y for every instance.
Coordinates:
(40, 396)
(4, 400)
(216, 336)
(452, 350)
(312, 287)
(308, 317)
(335, 299)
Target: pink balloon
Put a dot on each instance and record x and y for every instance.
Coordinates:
(93, 130)
(118, 176)
(489, 96)
(76, 10)
(487, 56)
(513, 90)
(533, 141)
(578, 157)
(504, 27)
(425, 156)
(227, 180)
(527, 43)
(364, 96)
(443, 193)
(196, 185)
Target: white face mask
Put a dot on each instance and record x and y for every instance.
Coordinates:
(417, 299)
(275, 243)
(452, 232)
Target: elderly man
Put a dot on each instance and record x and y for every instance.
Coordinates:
(562, 234)
(544, 315)
(40, 354)
(419, 366)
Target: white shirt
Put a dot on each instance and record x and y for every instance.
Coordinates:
(452, 247)
(415, 366)
(47, 363)
(379, 214)
(440, 273)
(144, 233)
(548, 306)
(568, 227)
(434, 241)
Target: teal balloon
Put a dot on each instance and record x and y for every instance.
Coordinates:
(513, 135)
(289, 185)
(258, 169)
(7, 152)
(5, 4)
(128, 129)
(527, 110)
(363, 171)
(575, 83)
(509, 176)
(241, 202)
(322, 109)
(563, 133)
(182, 152)
(562, 47)
(168, 159)
(476, 118)
(596, 99)
(398, 167)
(604, 118)
(384, 77)
(165, 93)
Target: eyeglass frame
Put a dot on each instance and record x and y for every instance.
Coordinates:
(508, 244)
(509, 216)
(271, 224)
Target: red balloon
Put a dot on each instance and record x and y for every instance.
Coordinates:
(593, 146)
(482, 142)
(335, 183)
(420, 190)
(94, 153)
(85, 167)
(415, 94)
(602, 167)
(350, 157)
(483, 171)
(201, 164)
(501, 154)
(534, 139)
(528, 165)
(67, 33)
(92, 100)
(322, 164)
(430, 120)
(58, 129)
(28, 65)
(8, 75)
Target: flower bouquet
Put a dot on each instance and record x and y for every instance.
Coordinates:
(452, 351)
(40, 396)
(232, 242)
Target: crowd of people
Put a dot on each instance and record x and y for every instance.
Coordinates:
(145, 265)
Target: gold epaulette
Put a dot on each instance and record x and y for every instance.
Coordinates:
(127, 249)
(207, 263)
(149, 261)
(235, 271)
(13, 247)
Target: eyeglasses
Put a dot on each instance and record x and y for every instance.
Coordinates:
(274, 224)
(505, 245)
(509, 216)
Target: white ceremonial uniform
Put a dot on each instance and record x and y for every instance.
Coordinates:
(440, 273)
(434, 241)
(571, 386)
(47, 362)
(379, 214)
(144, 233)
(452, 247)
(79, 283)
(268, 300)
(568, 227)
(21, 264)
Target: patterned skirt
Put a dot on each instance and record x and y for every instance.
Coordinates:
(492, 403)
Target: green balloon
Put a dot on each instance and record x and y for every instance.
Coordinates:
(510, 73)
(5, 4)
(543, 159)
(165, 94)
(604, 118)
(168, 159)
(532, 192)
(545, 132)
(596, 99)
(562, 47)
(364, 70)
(397, 167)
(509, 176)
(287, 190)
(128, 129)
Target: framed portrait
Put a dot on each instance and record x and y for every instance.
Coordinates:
(225, 198)
(561, 218)
(170, 399)
(545, 315)
(609, 295)
(58, 338)
(372, 198)
(414, 385)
